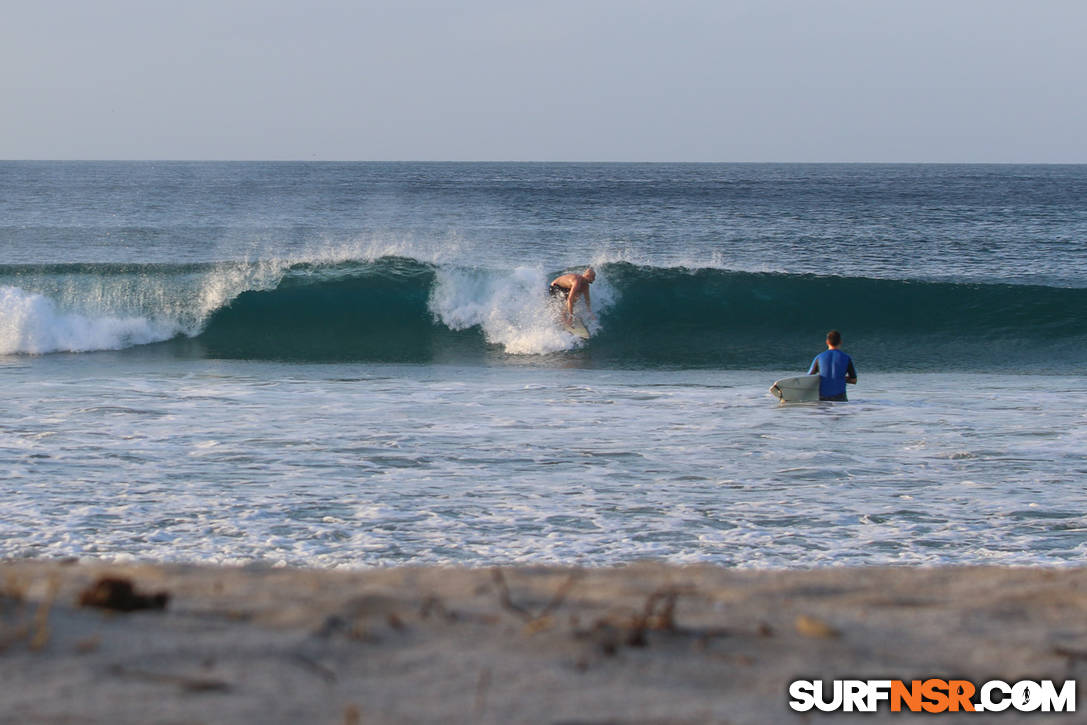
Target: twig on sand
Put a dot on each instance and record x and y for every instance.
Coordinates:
(609, 632)
(504, 596)
(560, 595)
(324, 671)
(658, 614)
(435, 604)
(556, 601)
(40, 636)
(651, 619)
(189, 684)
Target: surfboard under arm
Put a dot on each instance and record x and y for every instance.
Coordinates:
(798, 389)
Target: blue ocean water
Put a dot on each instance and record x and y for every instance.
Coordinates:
(357, 364)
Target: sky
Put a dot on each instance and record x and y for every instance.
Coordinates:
(548, 80)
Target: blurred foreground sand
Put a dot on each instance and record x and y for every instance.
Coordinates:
(646, 643)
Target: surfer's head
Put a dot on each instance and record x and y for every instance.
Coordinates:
(590, 275)
(834, 338)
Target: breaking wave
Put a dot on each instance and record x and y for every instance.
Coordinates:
(405, 310)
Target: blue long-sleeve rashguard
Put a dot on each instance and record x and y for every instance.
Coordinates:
(833, 367)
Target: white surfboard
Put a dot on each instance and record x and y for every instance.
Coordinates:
(800, 389)
(577, 328)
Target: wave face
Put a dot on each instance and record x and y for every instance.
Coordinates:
(745, 320)
(397, 309)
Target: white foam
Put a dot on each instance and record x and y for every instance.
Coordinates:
(31, 323)
(226, 281)
(512, 308)
(85, 311)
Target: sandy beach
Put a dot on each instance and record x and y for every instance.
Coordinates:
(645, 643)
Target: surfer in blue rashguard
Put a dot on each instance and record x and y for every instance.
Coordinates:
(834, 369)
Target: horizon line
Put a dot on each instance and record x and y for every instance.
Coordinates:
(535, 162)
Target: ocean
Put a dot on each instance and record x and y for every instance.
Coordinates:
(357, 364)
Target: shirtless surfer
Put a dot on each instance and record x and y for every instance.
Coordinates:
(572, 286)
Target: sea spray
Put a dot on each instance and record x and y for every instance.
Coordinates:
(403, 309)
(512, 308)
(87, 307)
(30, 323)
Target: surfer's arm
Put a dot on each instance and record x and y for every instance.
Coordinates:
(814, 369)
(851, 374)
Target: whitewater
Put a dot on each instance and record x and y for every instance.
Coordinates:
(404, 310)
(358, 364)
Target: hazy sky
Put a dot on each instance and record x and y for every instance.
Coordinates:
(553, 80)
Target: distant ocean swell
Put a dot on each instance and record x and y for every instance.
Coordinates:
(402, 310)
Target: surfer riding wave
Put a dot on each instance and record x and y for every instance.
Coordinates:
(571, 287)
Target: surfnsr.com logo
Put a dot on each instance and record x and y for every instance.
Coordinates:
(932, 696)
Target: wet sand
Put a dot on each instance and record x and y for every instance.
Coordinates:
(646, 643)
